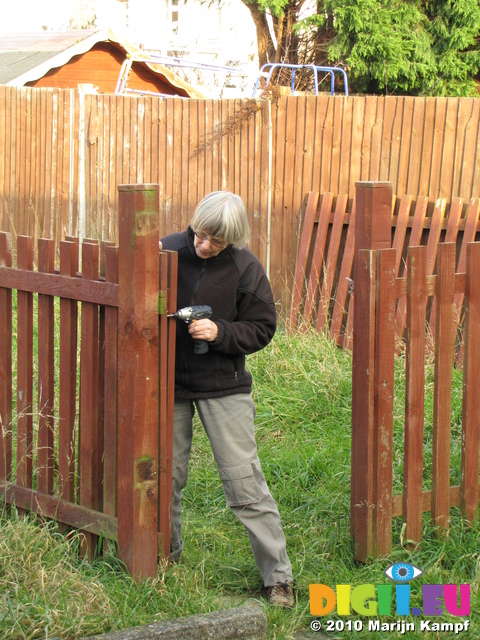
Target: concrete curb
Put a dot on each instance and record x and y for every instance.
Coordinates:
(241, 623)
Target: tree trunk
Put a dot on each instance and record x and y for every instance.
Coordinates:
(265, 45)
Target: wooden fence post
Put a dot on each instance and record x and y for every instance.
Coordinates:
(372, 232)
(138, 378)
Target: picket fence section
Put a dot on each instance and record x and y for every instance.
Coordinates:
(378, 293)
(90, 444)
(324, 277)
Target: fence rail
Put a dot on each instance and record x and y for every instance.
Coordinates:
(377, 296)
(93, 450)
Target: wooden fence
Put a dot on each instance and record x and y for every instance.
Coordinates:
(94, 449)
(377, 296)
(324, 273)
(63, 153)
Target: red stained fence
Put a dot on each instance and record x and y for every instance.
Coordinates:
(93, 450)
(380, 298)
(325, 258)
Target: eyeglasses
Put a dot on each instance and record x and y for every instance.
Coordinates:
(214, 242)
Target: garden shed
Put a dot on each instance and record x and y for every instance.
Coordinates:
(92, 58)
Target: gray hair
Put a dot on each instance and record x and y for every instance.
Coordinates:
(223, 215)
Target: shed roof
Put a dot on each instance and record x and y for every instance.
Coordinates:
(26, 57)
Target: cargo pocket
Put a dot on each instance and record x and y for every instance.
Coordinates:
(239, 485)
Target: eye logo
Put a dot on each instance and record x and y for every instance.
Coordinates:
(403, 572)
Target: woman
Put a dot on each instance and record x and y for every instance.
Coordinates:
(215, 269)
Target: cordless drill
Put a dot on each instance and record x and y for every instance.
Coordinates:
(192, 314)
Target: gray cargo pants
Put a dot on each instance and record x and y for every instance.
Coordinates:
(229, 424)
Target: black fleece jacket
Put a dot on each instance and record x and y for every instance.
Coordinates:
(235, 285)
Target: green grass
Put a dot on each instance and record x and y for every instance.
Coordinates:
(303, 397)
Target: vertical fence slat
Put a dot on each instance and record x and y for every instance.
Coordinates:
(362, 499)
(5, 364)
(302, 256)
(330, 263)
(432, 243)
(24, 368)
(88, 464)
(46, 373)
(340, 305)
(318, 256)
(444, 344)
(110, 392)
(450, 236)
(471, 224)
(401, 229)
(471, 397)
(138, 383)
(67, 377)
(383, 413)
(414, 392)
(414, 240)
(166, 432)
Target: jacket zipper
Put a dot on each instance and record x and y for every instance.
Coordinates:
(199, 280)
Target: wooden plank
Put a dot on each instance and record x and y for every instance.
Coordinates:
(389, 114)
(290, 226)
(414, 393)
(416, 146)
(317, 264)
(326, 147)
(401, 229)
(88, 454)
(432, 247)
(302, 257)
(5, 364)
(449, 145)
(330, 264)
(437, 144)
(167, 282)
(444, 343)
(465, 111)
(46, 373)
(363, 378)
(344, 279)
(469, 493)
(63, 511)
(337, 139)
(404, 145)
(472, 141)
(355, 168)
(51, 284)
(345, 285)
(138, 379)
(67, 407)
(471, 224)
(110, 392)
(427, 150)
(24, 369)
(426, 501)
(414, 240)
(367, 146)
(346, 153)
(376, 141)
(383, 398)
(450, 236)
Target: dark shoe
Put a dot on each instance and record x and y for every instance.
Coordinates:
(281, 595)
